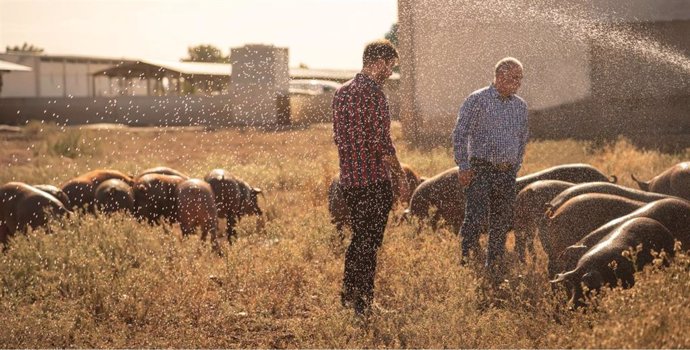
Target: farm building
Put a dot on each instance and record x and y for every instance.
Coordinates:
(82, 89)
(6, 67)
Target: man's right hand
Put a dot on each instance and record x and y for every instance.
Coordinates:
(465, 177)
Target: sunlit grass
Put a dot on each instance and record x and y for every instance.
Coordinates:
(113, 282)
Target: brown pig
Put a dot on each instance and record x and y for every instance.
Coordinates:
(529, 211)
(445, 193)
(163, 171)
(81, 190)
(114, 195)
(155, 197)
(197, 208)
(234, 198)
(23, 206)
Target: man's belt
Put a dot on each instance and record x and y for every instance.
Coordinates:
(482, 163)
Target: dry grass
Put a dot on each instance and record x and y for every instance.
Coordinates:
(114, 283)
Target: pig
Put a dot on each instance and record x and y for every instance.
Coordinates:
(81, 190)
(197, 208)
(529, 211)
(23, 206)
(603, 187)
(234, 198)
(155, 197)
(578, 217)
(163, 171)
(673, 213)
(114, 195)
(673, 181)
(595, 268)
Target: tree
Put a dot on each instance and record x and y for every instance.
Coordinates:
(25, 48)
(205, 53)
(392, 34)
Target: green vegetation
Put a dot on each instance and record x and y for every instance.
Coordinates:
(111, 282)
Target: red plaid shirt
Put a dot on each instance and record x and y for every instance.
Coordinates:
(361, 130)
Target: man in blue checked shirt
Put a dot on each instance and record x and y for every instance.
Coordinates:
(489, 142)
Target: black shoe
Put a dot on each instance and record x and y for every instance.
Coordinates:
(347, 300)
(362, 309)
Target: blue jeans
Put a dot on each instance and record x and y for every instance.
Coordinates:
(490, 197)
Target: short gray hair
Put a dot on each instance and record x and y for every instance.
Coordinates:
(506, 64)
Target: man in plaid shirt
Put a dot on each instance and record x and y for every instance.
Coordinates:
(489, 142)
(361, 131)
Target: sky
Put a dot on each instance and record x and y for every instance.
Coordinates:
(319, 33)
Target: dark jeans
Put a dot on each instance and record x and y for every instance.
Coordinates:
(369, 207)
(490, 197)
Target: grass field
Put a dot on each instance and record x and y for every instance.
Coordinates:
(110, 282)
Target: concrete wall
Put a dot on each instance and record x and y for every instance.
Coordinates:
(77, 79)
(51, 77)
(259, 84)
(20, 84)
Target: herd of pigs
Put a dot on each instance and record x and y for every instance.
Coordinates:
(155, 195)
(585, 221)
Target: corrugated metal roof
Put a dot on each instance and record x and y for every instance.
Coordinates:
(307, 73)
(340, 74)
(192, 68)
(138, 68)
(70, 58)
(13, 67)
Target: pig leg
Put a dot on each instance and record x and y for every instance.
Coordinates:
(339, 230)
(230, 228)
(187, 228)
(211, 227)
(4, 235)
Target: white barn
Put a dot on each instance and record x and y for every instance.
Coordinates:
(58, 76)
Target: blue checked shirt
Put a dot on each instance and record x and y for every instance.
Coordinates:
(491, 128)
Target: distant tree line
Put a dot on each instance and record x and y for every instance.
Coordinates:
(392, 34)
(205, 53)
(25, 48)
